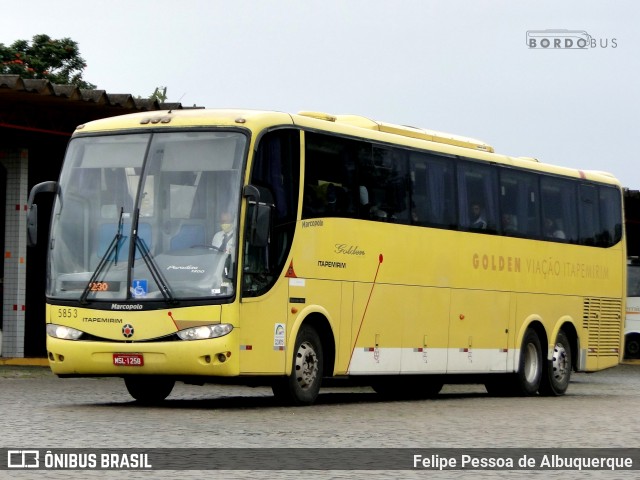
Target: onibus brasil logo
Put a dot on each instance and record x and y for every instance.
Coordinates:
(562, 39)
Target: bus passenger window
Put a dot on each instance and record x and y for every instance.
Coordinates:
(330, 189)
(477, 186)
(610, 231)
(519, 204)
(559, 209)
(589, 214)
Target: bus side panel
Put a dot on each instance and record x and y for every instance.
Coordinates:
(262, 331)
(344, 339)
(399, 329)
(317, 300)
(479, 333)
(377, 329)
(425, 329)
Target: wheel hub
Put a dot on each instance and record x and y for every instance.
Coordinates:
(559, 362)
(531, 363)
(306, 365)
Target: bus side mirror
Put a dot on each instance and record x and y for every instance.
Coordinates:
(263, 225)
(32, 226)
(259, 218)
(32, 216)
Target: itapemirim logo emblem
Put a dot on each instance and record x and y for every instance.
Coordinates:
(562, 39)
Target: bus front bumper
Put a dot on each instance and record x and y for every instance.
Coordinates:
(211, 357)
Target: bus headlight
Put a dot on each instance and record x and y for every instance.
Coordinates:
(205, 331)
(60, 331)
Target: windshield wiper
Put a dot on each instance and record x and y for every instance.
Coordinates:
(113, 246)
(157, 275)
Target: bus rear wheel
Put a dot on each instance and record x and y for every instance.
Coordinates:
(557, 371)
(526, 381)
(529, 373)
(303, 385)
(149, 389)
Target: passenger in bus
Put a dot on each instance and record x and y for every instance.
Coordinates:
(224, 240)
(331, 199)
(364, 205)
(551, 229)
(311, 206)
(477, 217)
(370, 210)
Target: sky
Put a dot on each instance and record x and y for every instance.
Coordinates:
(457, 66)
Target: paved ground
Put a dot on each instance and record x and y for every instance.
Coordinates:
(43, 411)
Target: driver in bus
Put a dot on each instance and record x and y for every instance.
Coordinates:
(224, 240)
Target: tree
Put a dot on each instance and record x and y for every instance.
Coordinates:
(159, 94)
(58, 61)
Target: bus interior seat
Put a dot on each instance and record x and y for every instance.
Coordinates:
(107, 232)
(187, 236)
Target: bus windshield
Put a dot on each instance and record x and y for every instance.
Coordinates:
(147, 217)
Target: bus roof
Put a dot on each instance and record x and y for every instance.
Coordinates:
(407, 131)
(351, 125)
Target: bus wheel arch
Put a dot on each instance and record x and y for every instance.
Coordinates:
(312, 356)
(321, 325)
(525, 380)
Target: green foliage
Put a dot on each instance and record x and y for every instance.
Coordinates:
(159, 94)
(58, 61)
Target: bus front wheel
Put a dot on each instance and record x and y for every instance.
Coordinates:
(303, 385)
(557, 371)
(149, 389)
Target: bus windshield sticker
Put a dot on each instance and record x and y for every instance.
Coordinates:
(139, 288)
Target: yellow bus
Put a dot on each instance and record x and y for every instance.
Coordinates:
(265, 248)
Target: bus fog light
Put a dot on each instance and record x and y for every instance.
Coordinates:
(65, 333)
(204, 332)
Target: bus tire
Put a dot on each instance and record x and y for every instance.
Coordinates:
(529, 374)
(303, 385)
(149, 389)
(632, 346)
(557, 371)
(526, 381)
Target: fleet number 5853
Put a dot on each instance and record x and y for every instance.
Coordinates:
(67, 313)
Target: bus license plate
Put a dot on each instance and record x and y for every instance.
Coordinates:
(128, 359)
